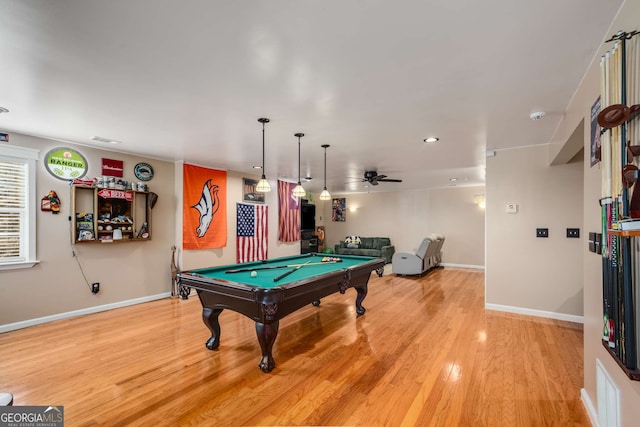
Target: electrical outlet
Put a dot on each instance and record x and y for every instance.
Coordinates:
(573, 232)
(511, 208)
(542, 232)
(95, 288)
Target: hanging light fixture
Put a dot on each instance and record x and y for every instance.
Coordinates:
(263, 185)
(298, 191)
(325, 194)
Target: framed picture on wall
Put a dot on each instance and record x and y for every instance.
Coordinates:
(249, 193)
(339, 210)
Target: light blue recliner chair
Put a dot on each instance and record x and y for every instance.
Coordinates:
(428, 256)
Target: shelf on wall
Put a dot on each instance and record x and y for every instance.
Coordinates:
(624, 233)
(633, 374)
(125, 210)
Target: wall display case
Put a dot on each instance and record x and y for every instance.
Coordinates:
(107, 215)
(619, 153)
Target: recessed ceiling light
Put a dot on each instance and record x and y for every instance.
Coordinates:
(105, 140)
(257, 167)
(453, 179)
(3, 110)
(539, 115)
(431, 139)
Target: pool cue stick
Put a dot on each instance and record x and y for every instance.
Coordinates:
(608, 202)
(604, 206)
(619, 190)
(605, 140)
(634, 78)
(606, 298)
(286, 273)
(621, 207)
(631, 92)
(616, 181)
(242, 270)
(629, 334)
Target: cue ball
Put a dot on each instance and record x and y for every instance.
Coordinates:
(254, 273)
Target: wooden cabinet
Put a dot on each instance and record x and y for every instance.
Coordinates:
(108, 215)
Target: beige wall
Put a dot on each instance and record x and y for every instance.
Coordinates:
(525, 272)
(454, 214)
(579, 110)
(408, 216)
(125, 270)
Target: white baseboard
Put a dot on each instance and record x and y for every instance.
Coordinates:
(538, 313)
(477, 267)
(588, 406)
(32, 322)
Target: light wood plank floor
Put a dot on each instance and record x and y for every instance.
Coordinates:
(425, 353)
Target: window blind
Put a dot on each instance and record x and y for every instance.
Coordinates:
(13, 189)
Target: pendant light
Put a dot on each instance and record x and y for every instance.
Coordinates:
(298, 191)
(325, 194)
(263, 185)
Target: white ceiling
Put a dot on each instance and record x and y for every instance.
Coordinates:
(187, 80)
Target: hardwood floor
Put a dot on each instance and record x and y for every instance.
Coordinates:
(425, 353)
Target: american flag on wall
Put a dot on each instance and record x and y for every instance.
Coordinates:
(252, 233)
(288, 213)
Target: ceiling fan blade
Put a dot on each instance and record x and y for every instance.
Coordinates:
(373, 182)
(380, 177)
(390, 180)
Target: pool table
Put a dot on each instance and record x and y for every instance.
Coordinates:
(265, 300)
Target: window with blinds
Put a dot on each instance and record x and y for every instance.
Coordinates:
(17, 207)
(13, 185)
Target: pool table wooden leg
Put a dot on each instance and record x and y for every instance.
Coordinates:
(210, 319)
(362, 293)
(184, 291)
(267, 333)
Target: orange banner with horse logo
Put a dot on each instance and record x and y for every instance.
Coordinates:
(204, 209)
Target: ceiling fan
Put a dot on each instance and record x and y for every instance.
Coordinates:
(373, 178)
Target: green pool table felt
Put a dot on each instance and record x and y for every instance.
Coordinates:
(264, 278)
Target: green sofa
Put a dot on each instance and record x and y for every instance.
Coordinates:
(380, 247)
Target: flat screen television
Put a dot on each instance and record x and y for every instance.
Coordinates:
(308, 217)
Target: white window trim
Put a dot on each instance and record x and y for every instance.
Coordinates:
(31, 156)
